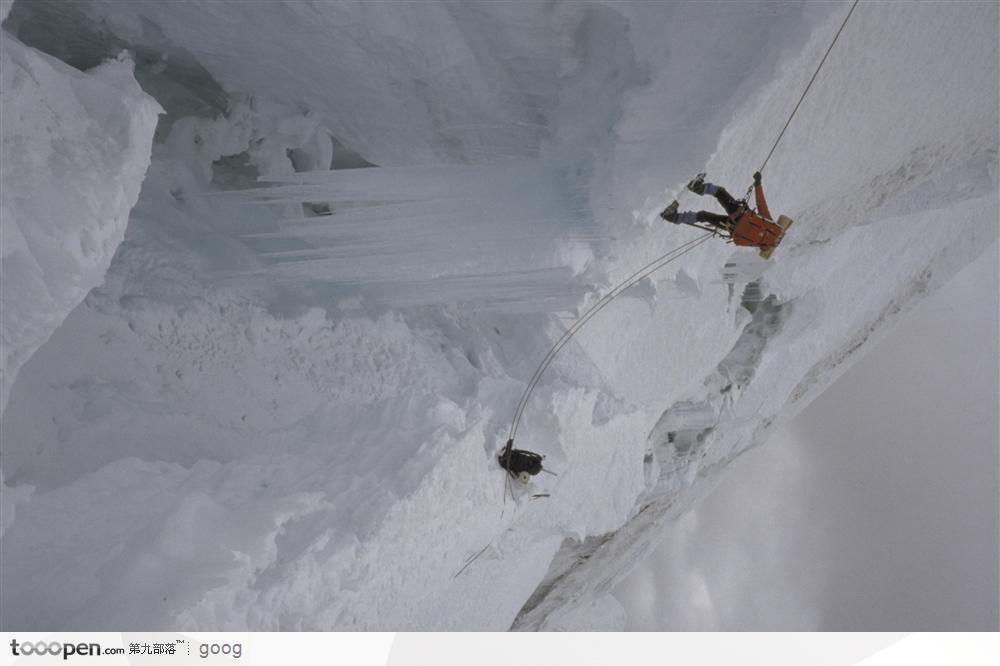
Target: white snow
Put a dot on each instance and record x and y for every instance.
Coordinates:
(282, 407)
(76, 146)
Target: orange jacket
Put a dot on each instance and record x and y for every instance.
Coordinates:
(756, 229)
(758, 191)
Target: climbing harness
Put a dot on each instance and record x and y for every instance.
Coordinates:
(758, 233)
(749, 229)
(521, 464)
(755, 230)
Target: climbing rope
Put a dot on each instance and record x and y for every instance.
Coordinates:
(657, 263)
(806, 91)
(632, 280)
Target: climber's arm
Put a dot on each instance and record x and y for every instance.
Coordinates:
(758, 190)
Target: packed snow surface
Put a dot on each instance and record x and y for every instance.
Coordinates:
(362, 227)
(76, 146)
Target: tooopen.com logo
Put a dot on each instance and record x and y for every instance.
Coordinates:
(55, 649)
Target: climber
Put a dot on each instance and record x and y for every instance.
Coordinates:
(741, 224)
(521, 465)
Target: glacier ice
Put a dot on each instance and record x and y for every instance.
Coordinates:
(280, 408)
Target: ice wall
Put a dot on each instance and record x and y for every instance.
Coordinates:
(219, 442)
(894, 189)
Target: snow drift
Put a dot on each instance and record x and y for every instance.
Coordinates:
(247, 426)
(76, 148)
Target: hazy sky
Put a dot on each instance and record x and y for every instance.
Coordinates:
(877, 508)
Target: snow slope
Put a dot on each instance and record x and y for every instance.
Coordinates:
(76, 147)
(220, 440)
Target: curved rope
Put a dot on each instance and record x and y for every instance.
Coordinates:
(660, 262)
(815, 74)
(632, 280)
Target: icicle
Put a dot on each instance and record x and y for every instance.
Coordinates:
(494, 236)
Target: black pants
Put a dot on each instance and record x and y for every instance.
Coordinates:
(728, 202)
